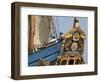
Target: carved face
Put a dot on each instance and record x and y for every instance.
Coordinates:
(74, 46)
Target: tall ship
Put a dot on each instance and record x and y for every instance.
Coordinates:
(46, 46)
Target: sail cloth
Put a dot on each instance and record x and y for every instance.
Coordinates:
(52, 30)
(42, 31)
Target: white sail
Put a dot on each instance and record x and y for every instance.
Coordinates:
(44, 31)
(41, 31)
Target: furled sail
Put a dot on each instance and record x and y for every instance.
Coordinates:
(31, 33)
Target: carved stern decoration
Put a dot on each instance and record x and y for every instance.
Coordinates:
(72, 46)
